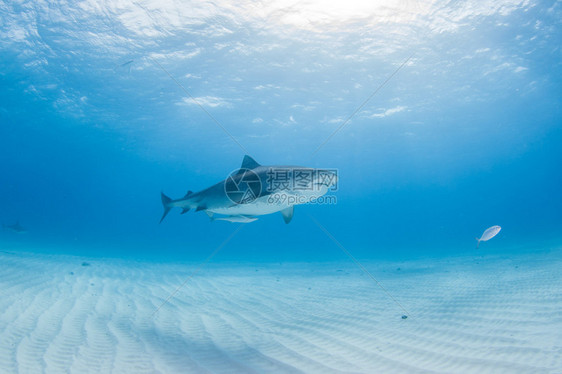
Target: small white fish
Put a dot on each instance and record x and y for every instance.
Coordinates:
(239, 219)
(488, 234)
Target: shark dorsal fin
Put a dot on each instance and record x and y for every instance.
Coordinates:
(249, 163)
(187, 194)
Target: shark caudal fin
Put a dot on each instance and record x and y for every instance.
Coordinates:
(166, 203)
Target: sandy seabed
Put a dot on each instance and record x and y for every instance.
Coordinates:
(495, 314)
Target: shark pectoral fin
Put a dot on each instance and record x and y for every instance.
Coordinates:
(210, 214)
(288, 213)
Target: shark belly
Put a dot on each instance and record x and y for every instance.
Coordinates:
(259, 207)
(268, 204)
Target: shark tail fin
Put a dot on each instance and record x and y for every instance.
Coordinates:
(477, 243)
(166, 203)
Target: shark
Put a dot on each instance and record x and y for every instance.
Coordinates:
(16, 227)
(255, 190)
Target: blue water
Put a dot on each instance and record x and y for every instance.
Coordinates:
(464, 136)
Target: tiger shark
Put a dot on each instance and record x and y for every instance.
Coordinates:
(256, 190)
(16, 227)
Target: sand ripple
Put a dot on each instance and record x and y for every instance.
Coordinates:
(493, 315)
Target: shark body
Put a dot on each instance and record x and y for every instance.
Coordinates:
(256, 190)
(16, 227)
